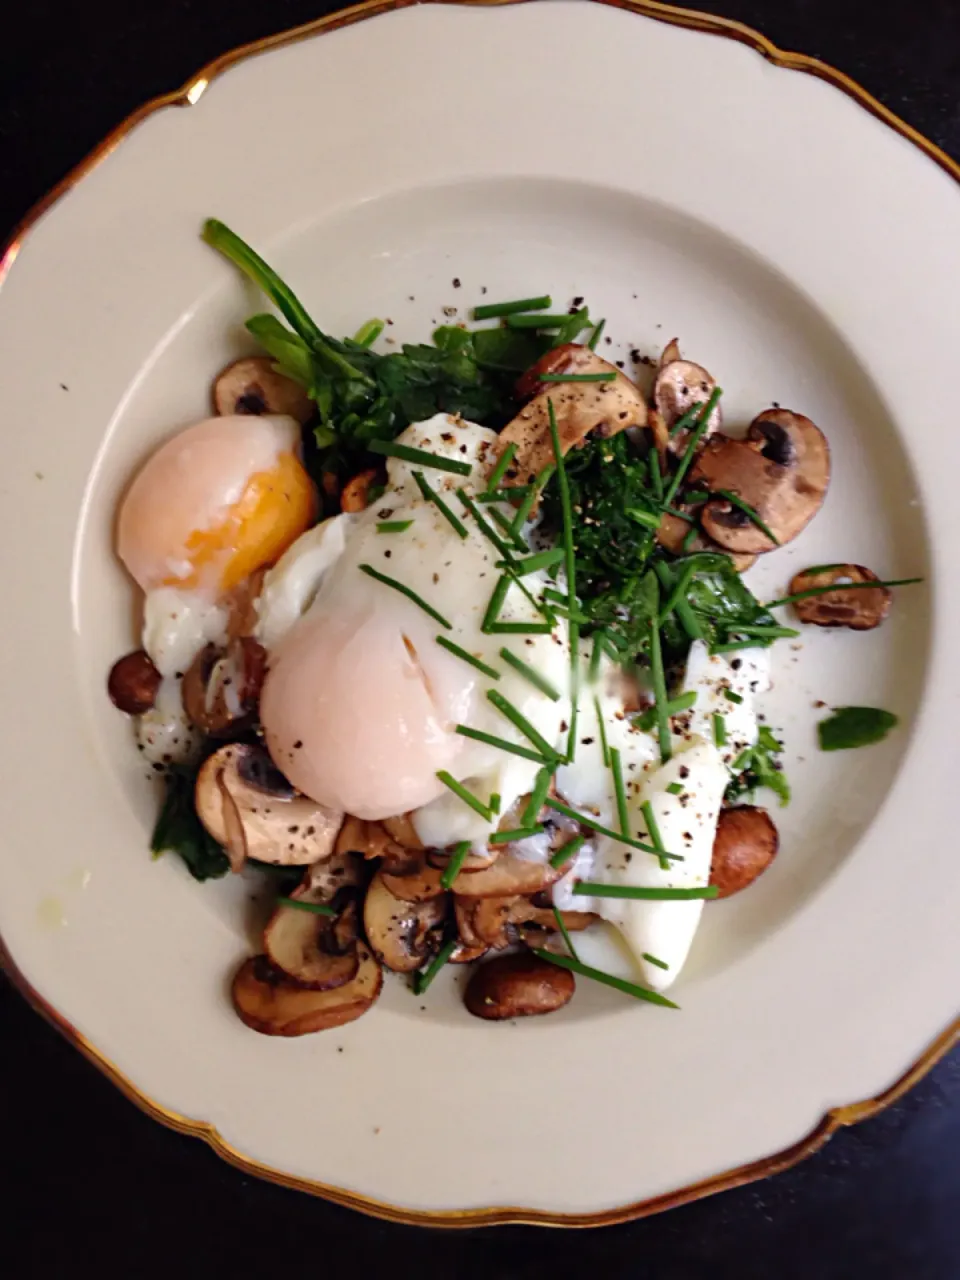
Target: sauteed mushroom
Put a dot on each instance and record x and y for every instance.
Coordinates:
(861, 609)
(133, 683)
(518, 986)
(221, 687)
(269, 1002)
(253, 386)
(744, 846)
(402, 934)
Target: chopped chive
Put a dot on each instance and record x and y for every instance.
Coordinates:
(520, 721)
(540, 560)
(566, 852)
(775, 633)
(393, 526)
(368, 333)
(570, 560)
(571, 751)
(518, 833)
(742, 760)
(369, 570)
(531, 674)
(653, 830)
(317, 908)
(495, 310)
(731, 696)
(695, 496)
(506, 524)
(596, 653)
(498, 472)
(703, 421)
(588, 889)
(526, 506)
(489, 533)
(463, 794)
(602, 728)
(503, 495)
(656, 476)
(749, 511)
(719, 729)
(455, 649)
(675, 706)
(423, 979)
(681, 515)
(512, 748)
(838, 586)
(591, 822)
(690, 538)
(561, 609)
(494, 805)
(519, 628)
(619, 791)
(675, 789)
(685, 421)
(677, 599)
(542, 321)
(457, 859)
(431, 495)
(660, 693)
(390, 449)
(596, 335)
(661, 964)
(495, 604)
(608, 980)
(576, 377)
(537, 796)
(648, 519)
(678, 594)
(734, 645)
(568, 941)
(570, 330)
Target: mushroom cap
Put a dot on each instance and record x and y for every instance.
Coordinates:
(251, 809)
(860, 610)
(133, 683)
(419, 886)
(680, 385)
(253, 386)
(221, 687)
(781, 470)
(673, 532)
(510, 876)
(496, 922)
(518, 986)
(745, 844)
(309, 948)
(269, 1002)
(353, 495)
(401, 933)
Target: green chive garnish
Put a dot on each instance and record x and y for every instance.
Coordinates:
(679, 592)
(533, 806)
(526, 506)
(495, 604)
(405, 591)
(731, 696)
(504, 495)
(519, 833)
(542, 321)
(608, 980)
(660, 693)
(689, 538)
(483, 526)
(775, 633)
(675, 789)
(455, 649)
(520, 721)
(602, 728)
(431, 495)
(494, 805)
(620, 791)
(686, 420)
(317, 908)
(587, 889)
(570, 329)
(576, 377)
(498, 472)
(571, 567)
(566, 852)
(390, 449)
(368, 333)
(734, 645)
(589, 821)
(423, 979)
(703, 421)
(568, 941)
(677, 600)
(719, 729)
(540, 560)
(747, 510)
(675, 706)
(512, 748)
(506, 524)
(393, 526)
(519, 628)
(648, 519)
(495, 310)
(463, 794)
(595, 336)
(457, 859)
(653, 829)
(661, 964)
(839, 586)
(531, 675)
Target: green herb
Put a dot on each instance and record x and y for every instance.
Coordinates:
(495, 310)
(503, 495)
(423, 979)
(520, 628)
(540, 560)
(661, 964)
(595, 336)
(500, 470)
(608, 980)
(179, 830)
(568, 941)
(731, 696)
(576, 377)
(747, 510)
(677, 601)
(368, 333)
(687, 419)
(495, 803)
(495, 604)
(519, 833)
(694, 496)
(520, 722)
(431, 495)
(656, 478)
(649, 519)
(534, 491)
(703, 421)
(457, 859)
(675, 789)
(533, 806)
(531, 675)
(653, 830)
(588, 889)
(468, 798)
(569, 556)
(838, 586)
(675, 707)
(393, 526)
(735, 645)
(571, 329)
(719, 729)
(422, 457)
(619, 791)
(850, 727)
(486, 529)
(512, 748)
(566, 852)
(759, 766)
(405, 591)
(689, 538)
(317, 908)
(604, 748)
(506, 524)
(541, 321)
(589, 821)
(455, 649)
(770, 632)
(660, 693)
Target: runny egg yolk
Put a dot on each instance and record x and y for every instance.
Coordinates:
(217, 502)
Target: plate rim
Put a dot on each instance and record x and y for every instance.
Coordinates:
(834, 1119)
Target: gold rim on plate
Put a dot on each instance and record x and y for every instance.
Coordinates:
(837, 1117)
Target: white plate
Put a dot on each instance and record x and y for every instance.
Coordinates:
(806, 254)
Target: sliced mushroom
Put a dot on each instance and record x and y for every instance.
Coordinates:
(680, 386)
(315, 951)
(253, 386)
(476, 859)
(269, 1002)
(133, 683)
(497, 922)
(518, 986)
(353, 495)
(421, 885)
(325, 880)
(581, 408)
(469, 947)
(861, 609)
(744, 846)
(781, 470)
(402, 830)
(241, 605)
(221, 688)
(672, 535)
(402, 934)
(251, 809)
(510, 876)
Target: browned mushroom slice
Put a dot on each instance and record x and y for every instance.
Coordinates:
(323, 881)
(581, 408)
(510, 876)
(476, 859)
(269, 1002)
(861, 609)
(315, 951)
(253, 386)
(251, 809)
(133, 683)
(518, 986)
(669, 353)
(497, 922)
(402, 934)
(422, 884)
(221, 688)
(744, 846)
(680, 386)
(672, 535)
(469, 947)
(402, 830)
(781, 470)
(353, 495)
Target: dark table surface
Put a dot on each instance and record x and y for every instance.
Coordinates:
(90, 1181)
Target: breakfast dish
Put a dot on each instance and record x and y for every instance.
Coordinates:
(452, 642)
